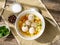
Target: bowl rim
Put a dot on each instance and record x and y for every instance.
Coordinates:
(18, 31)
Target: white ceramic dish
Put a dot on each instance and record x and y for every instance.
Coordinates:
(16, 7)
(30, 12)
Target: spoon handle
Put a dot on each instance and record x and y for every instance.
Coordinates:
(3, 8)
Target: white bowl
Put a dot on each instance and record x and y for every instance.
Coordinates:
(30, 12)
(8, 29)
(16, 7)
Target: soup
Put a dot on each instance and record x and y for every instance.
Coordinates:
(30, 25)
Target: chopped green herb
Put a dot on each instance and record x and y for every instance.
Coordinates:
(3, 31)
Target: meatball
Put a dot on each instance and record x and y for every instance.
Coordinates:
(31, 17)
(28, 22)
(24, 28)
(31, 30)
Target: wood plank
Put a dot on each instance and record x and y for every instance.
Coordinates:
(54, 8)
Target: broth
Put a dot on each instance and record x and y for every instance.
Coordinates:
(32, 29)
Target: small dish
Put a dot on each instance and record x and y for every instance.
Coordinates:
(16, 7)
(6, 31)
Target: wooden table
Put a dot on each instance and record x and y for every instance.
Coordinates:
(54, 8)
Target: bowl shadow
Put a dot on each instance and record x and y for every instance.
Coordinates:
(49, 34)
(9, 38)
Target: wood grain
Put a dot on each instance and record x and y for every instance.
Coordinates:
(54, 8)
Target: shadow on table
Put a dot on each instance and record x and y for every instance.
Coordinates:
(54, 1)
(54, 11)
(49, 34)
(9, 38)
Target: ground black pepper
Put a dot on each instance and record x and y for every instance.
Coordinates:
(12, 19)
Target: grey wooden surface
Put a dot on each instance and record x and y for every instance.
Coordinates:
(54, 8)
